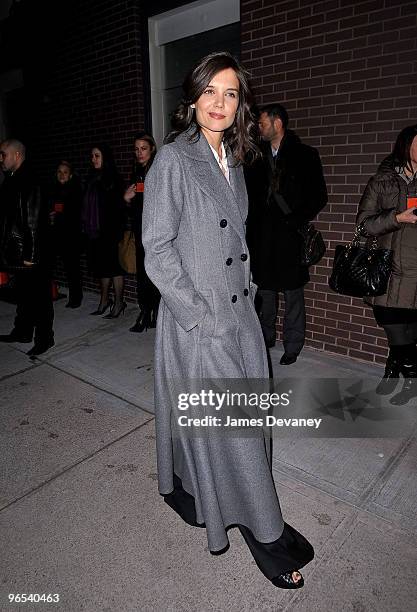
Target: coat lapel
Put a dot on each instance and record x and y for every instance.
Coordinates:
(270, 160)
(231, 200)
(238, 186)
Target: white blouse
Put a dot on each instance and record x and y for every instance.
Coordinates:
(222, 162)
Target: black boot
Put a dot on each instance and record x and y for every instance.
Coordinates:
(391, 375)
(142, 322)
(408, 368)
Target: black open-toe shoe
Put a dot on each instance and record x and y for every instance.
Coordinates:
(286, 581)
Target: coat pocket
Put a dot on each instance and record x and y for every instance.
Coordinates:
(208, 324)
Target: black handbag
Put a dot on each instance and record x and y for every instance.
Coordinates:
(313, 245)
(361, 270)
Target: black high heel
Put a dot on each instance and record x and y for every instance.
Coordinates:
(143, 322)
(113, 314)
(103, 309)
(389, 381)
(286, 581)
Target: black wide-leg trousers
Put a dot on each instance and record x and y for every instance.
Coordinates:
(290, 552)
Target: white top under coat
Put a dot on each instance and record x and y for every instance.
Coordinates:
(222, 162)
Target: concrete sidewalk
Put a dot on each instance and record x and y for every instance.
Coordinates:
(80, 515)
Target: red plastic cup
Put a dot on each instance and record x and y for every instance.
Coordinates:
(4, 278)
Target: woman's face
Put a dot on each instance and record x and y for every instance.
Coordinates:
(63, 174)
(143, 152)
(96, 159)
(216, 108)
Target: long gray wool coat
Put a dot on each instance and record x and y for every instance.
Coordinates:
(196, 254)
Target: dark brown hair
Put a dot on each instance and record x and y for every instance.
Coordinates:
(108, 173)
(241, 136)
(401, 151)
(151, 142)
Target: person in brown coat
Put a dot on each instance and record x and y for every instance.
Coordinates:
(388, 210)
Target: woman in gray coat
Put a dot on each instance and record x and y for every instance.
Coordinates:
(388, 210)
(196, 254)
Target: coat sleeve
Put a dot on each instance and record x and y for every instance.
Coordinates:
(162, 216)
(31, 241)
(376, 221)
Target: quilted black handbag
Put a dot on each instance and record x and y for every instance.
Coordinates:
(313, 245)
(361, 270)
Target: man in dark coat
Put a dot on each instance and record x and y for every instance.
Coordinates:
(286, 189)
(23, 223)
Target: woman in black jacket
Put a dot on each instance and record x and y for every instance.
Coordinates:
(65, 203)
(104, 224)
(148, 294)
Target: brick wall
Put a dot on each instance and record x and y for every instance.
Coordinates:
(347, 73)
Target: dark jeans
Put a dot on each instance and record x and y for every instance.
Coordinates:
(34, 311)
(294, 324)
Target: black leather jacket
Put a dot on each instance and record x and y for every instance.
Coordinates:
(20, 210)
